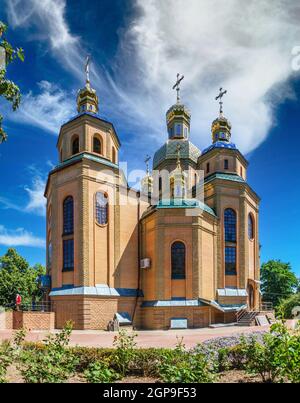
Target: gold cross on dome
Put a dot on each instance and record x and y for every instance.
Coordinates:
(220, 97)
(87, 68)
(177, 86)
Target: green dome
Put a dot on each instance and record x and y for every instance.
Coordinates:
(169, 152)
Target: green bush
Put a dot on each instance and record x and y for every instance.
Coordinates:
(277, 359)
(287, 305)
(125, 351)
(6, 359)
(54, 363)
(100, 372)
(181, 366)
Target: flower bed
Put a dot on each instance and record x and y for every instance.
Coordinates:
(260, 356)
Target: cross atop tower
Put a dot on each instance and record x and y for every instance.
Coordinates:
(178, 148)
(220, 97)
(87, 68)
(148, 158)
(177, 86)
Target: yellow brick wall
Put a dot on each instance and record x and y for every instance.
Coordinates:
(33, 320)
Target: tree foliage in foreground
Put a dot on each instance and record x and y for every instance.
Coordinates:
(17, 277)
(288, 305)
(278, 281)
(8, 89)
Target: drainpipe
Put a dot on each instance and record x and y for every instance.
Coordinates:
(138, 257)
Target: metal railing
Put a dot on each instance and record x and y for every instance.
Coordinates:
(266, 306)
(39, 307)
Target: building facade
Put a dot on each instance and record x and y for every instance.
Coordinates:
(183, 252)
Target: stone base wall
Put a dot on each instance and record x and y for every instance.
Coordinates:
(33, 320)
(6, 320)
(90, 313)
(94, 313)
(197, 317)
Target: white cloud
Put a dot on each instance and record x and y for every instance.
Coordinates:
(47, 109)
(19, 237)
(246, 49)
(36, 203)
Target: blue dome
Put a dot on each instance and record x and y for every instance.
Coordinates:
(220, 144)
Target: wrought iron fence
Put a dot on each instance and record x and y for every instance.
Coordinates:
(266, 306)
(39, 307)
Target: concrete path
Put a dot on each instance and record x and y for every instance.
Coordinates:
(154, 338)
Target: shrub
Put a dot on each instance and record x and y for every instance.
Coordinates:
(277, 359)
(181, 366)
(125, 351)
(6, 358)
(54, 363)
(100, 372)
(287, 352)
(287, 305)
(85, 356)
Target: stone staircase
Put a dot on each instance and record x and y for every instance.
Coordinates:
(247, 318)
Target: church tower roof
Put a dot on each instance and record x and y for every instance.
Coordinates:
(87, 99)
(178, 119)
(221, 128)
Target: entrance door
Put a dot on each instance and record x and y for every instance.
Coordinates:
(251, 296)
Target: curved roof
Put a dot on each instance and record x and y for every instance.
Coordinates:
(169, 151)
(220, 144)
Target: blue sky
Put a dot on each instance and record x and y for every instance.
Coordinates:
(137, 49)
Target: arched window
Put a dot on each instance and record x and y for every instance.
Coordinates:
(68, 254)
(230, 260)
(230, 239)
(250, 227)
(75, 145)
(113, 152)
(230, 225)
(68, 216)
(226, 164)
(97, 145)
(178, 261)
(101, 208)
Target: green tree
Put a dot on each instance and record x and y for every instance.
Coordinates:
(288, 304)
(17, 277)
(278, 281)
(8, 89)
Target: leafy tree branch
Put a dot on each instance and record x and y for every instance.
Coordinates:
(8, 89)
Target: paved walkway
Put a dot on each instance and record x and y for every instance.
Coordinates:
(154, 338)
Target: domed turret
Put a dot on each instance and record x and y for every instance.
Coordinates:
(221, 129)
(178, 122)
(87, 99)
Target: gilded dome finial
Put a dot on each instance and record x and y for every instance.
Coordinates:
(178, 116)
(221, 127)
(87, 100)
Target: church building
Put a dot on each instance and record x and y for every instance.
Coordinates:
(181, 252)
